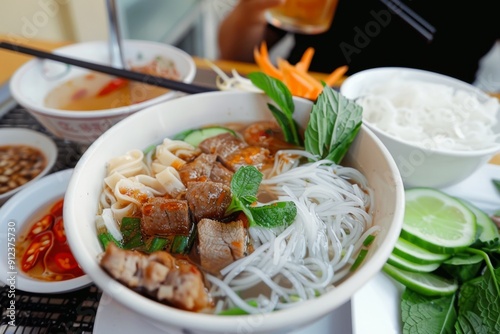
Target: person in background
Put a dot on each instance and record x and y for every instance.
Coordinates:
(367, 34)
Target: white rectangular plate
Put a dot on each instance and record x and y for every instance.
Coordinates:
(375, 308)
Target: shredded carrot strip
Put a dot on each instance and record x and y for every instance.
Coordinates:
(305, 61)
(336, 75)
(296, 77)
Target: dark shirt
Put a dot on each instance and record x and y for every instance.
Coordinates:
(365, 34)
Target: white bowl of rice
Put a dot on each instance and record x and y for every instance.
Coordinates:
(438, 129)
(281, 282)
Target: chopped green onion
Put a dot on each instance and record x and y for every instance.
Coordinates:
(131, 231)
(182, 244)
(359, 259)
(157, 243)
(368, 241)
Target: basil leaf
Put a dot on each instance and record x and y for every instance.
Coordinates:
(333, 125)
(275, 89)
(281, 95)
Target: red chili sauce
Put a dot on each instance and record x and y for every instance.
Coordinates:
(43, 252)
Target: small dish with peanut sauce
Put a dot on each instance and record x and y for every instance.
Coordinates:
(25, 156)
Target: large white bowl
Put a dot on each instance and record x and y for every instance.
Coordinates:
(35, 79)
(152, 125)
(420, 166)
(16, 216)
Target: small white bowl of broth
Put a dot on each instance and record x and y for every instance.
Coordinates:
(25, 156)
(78, 105)
(36, 256)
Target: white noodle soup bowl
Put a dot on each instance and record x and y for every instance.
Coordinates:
(34, 80)
(153, 124)
(419, 164)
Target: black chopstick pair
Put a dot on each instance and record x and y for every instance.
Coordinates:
(418, 23)
(126, 74)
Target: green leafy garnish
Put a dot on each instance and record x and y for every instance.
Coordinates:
(334, 123)
(496, 183)
(437, 313)
(282, 96)
(244, 186)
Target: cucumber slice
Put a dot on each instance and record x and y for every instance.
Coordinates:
(488, 231)
(404, 264)
(195, 137)
(437, 221)
(416, 254)
(427, 284)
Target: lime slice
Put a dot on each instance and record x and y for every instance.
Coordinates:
(416, 254)
(437, 221)
(424, 283)
(404, 264)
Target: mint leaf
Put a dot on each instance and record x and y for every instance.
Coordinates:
(334, 123)
(281, 95)
(479, 304)
(273, 215)
(245, 183)
(244, 186)
(423, 314)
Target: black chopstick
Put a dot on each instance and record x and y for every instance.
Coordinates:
(126, 74)
(412, 18)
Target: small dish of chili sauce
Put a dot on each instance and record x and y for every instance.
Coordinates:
(42, 249)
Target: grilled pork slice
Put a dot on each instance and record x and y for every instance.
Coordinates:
(208, 199)
(234, 152)
(158, 275)
(165, 217)
(205, 168)
(220, 244)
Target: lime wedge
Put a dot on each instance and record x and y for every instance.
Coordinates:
(424, 283)
(437, 221)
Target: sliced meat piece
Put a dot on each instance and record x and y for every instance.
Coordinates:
(221, 174)
(204, 168)
(251, 155)
(208, 199)
(266, 134)
(159, 275)
(222, 145)
(220, 244)
(197, 170)
(165, 217)
(234, 152)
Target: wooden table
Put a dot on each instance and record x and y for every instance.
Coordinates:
(10, 61)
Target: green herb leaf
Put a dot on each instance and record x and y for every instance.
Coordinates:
(281, 95)
(423, 314)
(244, 186)
(496, 183)
(273, 215)
(479, 304)
(334, 123)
